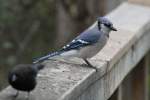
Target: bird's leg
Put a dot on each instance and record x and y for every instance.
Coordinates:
(28, 94)
(17, 93)
(90, 65)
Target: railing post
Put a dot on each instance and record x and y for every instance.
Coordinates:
(147, 64)
(143, 2)
(139, 81)
(115, 95)
(135, 85)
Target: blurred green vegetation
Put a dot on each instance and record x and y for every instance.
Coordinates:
(25, 26)
(27, 30)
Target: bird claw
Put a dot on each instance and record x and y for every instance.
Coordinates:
(28, 95)
(17, 93)
(90, 65)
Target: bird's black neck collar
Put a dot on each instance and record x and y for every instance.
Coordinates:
(99, 25)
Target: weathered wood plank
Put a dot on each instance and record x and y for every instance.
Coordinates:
(147, 65)
(104, 87)
(135, 85)
(71, 80)
(138, 82)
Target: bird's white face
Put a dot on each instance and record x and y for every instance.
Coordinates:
(106, 30)
(105, 25)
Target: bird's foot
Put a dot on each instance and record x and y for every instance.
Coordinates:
(16, 95)
(90, 65)
(28, 96)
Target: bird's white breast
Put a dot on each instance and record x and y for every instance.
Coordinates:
(92, 50)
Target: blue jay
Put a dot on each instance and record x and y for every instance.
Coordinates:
(87, 44)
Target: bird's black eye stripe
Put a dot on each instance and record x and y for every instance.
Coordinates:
(108, 25)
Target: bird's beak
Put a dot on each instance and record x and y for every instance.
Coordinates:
(113, 29)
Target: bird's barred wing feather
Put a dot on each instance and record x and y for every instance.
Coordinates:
(75, 44)
(88, 37)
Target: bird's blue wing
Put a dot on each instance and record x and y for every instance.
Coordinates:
(88, 37)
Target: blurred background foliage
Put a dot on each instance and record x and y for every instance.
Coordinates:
(31, 28)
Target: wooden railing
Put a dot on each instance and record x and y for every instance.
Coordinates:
(122, 65)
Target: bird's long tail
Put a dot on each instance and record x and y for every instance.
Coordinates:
(46, 57)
